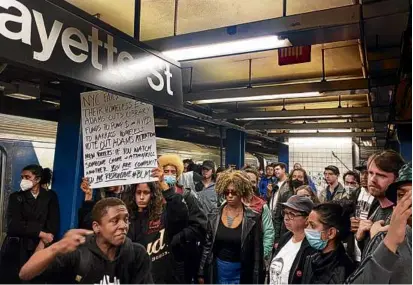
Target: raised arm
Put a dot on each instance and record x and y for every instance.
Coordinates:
(40, 260)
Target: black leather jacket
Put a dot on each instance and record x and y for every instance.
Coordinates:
(251, 249)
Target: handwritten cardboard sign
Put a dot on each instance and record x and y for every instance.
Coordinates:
(119, 142)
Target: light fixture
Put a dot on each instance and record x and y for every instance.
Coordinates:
(320, 131)
(51, 102)
(228, 48)
(258, 98)
(293, 118)
(55, 82)
(21, 96)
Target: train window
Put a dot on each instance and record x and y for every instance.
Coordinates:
(2, 193)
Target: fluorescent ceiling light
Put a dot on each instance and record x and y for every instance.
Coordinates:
(320, 131)
(294, 118)
(228, 48)
(51, 102)
(335, 131)
(367, 143)
(258, 98)
(21, 96)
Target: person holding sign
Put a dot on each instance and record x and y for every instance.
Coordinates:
(194, 231)
(158, 215)
(84, 213)
(102, 256)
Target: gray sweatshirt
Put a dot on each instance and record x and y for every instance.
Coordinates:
(385, 267)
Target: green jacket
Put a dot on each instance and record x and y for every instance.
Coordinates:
(260, 206)
(268, 230)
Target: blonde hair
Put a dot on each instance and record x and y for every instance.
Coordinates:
(239, 179)
(173, 160)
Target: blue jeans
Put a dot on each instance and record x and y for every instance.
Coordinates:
(228, 272)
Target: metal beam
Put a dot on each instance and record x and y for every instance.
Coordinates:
(337, 24)
(296, 113)
(324, 135)
(337, 85)
(318, 20)
(311, 126)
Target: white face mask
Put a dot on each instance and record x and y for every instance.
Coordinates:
(26, 184)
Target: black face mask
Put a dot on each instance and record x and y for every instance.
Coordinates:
(297, 183)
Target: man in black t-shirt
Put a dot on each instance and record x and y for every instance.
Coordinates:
(106, 257)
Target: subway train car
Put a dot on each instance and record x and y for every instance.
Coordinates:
(25, 141)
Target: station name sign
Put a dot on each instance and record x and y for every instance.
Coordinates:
(45, 36)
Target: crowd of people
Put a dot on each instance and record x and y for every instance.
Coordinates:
(201, 224)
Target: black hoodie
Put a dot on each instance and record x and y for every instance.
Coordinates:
(328, 268)
(88, 265)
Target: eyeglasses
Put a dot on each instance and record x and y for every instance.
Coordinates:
(291, 215)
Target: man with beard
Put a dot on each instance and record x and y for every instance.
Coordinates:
(390, 261)
(383, 170)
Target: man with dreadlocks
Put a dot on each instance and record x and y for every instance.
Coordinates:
(233, 251)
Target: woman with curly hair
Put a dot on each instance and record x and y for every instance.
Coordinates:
(157, 216)
(233, 251)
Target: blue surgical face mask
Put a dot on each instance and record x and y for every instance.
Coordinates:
(314, 239)
(170, 180)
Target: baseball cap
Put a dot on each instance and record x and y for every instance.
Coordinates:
(299, 203)
(362, 166)
(333, 168)
(208, 164)
(405, 176)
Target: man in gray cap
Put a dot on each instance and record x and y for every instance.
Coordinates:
(335, 190)
(288, 260)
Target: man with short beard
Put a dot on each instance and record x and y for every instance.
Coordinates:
(383, 169)
(389, 260)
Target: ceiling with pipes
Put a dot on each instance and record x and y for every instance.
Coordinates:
(353, 69)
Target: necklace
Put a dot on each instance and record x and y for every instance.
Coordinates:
(230, 220)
